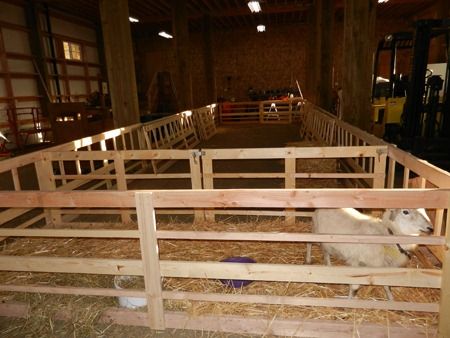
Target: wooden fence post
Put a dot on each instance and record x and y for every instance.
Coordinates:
(46, 181)
(444, 308)
(261, 112)
(208, 180)
(196, 179)
(150, 259)
(379, 168)
(119, 166)
(289, 183)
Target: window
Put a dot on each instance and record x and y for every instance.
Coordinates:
(72, 51)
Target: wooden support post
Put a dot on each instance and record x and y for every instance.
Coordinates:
(324, 43)
(444, 309)
(196, 180)
(36, 47)
(261, 112)
(208, 53)
(182, 52)
(150, 258)
(405, 178)
(289, 183)
(391, 174)
(312, 57)
(46, 181)
(379, 169)
(208, 180)
(359, 27)
(119, 166)
(119, 61)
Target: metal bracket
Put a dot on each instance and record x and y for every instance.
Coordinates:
(197, 153)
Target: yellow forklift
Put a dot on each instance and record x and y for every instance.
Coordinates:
(413, 110)
(389, 94)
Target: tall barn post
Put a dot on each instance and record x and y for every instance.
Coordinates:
(359, 28)
(119, 61)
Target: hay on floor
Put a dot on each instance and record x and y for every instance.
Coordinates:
(262, 252)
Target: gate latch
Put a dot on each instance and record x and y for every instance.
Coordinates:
(197, 153)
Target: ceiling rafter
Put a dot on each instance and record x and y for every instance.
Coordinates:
(228, 13)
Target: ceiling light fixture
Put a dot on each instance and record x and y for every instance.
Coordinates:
(382, 1)
(254, 6)
(133, 19)
(260, 28)
(165, 35)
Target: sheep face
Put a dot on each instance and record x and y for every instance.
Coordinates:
(409, 221)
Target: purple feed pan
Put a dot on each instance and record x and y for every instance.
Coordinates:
(237, 283)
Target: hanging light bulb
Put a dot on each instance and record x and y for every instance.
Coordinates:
(260, 28)
(254, 6)
(165, 35)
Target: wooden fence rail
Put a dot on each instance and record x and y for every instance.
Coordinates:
(264, 112)
(153, 269)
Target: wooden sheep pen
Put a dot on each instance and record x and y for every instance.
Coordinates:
(117, 163)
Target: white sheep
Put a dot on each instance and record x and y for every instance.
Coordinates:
(350, 221)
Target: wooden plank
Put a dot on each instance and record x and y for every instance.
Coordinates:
(405, 178)
(44, 172)
(379, 169)
(301, 301)
(208, 181)
(431, 173)
(391, 174)
(25, 224)
(298, 175)
(54, 233)
(295, 152)
(72, 265)
(289, 183)
(253, 198)
(307, 198)
(278, 326)
(9, 214)
(174, 154)
(150, 260)
(196, 180)
(70, 199)
(295, 237)
(444, 309)
(120, 61)
(303, 273)
(275, 326)
(70, 290)
(220, 270)
(121, 182)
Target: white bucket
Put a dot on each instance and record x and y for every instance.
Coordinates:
(128, 302)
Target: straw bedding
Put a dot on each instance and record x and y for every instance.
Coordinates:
(291, 253)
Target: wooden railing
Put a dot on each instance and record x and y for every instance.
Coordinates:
(271, 111)
(153, 269)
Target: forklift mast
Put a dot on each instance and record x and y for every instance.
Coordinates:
(420, 117)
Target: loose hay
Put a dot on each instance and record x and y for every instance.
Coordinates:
(86, 310)
(315, 165)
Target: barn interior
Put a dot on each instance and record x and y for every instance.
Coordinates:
(210, 130)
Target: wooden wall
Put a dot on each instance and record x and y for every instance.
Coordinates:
(243, 59)
(263, 61)
(19, 79)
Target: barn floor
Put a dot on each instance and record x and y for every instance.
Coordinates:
(240, 136)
